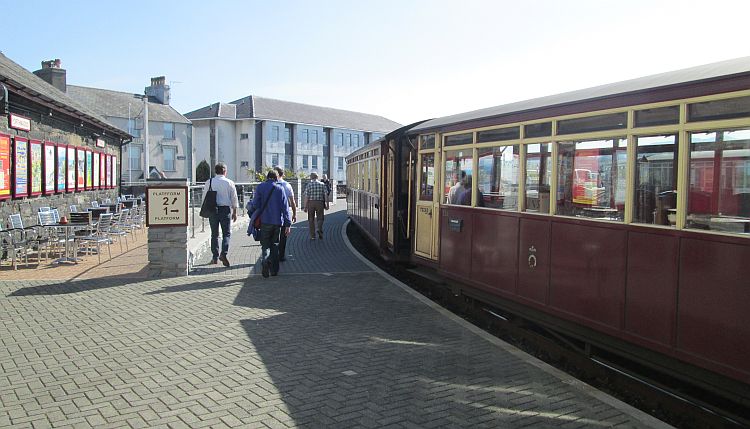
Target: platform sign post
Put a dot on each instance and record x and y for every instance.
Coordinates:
(167, 222)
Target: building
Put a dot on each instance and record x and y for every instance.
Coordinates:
(169, 133)
(254, 132)
(54, 151)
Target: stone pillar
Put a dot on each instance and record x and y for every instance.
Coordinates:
(167, 245)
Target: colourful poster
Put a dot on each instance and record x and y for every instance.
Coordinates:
(71, 169)
(89, 172)
(49, 168)
(61, 168)
(35, 167)
(114, 171)
(97, 170)
(20, 167)
(80, 169)
(109, 171)
(4, 166)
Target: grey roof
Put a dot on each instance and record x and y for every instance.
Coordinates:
(32, 86)
(693, 74)
(254, 107)
(119, 104)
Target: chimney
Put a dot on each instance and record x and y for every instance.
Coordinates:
(53, 74)
(158, 90)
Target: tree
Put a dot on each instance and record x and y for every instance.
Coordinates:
(202, 172)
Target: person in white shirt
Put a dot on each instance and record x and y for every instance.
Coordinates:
(226, 208)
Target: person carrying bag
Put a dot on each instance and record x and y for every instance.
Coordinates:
(209, 207)
(254, 227)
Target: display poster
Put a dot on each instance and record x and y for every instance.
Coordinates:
(4, 166)
(71, 169)
(109, 171)
(61, 168)
(97, 170)
(114, 171)
(35, 167)
(20, 167)
(102, 171)
(89, 171)
(80, 169)
(49, 168)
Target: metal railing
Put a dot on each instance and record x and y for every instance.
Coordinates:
(245, 193)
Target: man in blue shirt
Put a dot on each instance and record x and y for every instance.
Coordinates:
(271, 199)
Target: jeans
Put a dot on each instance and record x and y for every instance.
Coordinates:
(269, 244)
(222, 217)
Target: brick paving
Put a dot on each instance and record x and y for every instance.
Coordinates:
(328, 344)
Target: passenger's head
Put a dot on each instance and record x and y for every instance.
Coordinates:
(220, 168)
(271, 175)
(325, 177)
(313, 176)
(279, 172)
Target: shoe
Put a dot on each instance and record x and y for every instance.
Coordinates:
(266, 268)
(320, 235)
(214, 261)
(224, 260)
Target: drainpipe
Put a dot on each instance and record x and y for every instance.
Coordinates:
(6, 109)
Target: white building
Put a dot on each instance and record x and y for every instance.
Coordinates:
(255, 132)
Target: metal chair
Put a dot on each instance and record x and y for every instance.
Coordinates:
(118, 229)
(51, 235)
(13, 242)
(44, 209)
(100, 235)
(73, 209)
(95, 204)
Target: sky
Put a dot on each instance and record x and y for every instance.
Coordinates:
(406, 60)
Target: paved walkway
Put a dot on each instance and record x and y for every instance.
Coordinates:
(328, 343)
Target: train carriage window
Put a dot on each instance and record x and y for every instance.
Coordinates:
(458, 139)
(538, 177)
(537, 130)
(591, 178)
(659, 116)
(719, 185)
(497, 177)
(588, 124)
(721, 109)
(459, 165)
(503, 134)
(427, 177)
(656, 180)
(427, 142)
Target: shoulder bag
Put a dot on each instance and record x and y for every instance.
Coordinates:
(209, 207)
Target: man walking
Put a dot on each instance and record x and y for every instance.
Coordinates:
(315, 204)
(274, 218)
(227, 204)
(289, 192)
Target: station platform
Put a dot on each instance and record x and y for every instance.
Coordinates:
(331, 342)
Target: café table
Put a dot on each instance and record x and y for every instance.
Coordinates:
(69, 237)
(97, 211)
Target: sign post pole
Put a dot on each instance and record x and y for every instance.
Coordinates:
(167, 221)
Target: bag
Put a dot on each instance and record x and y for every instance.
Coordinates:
(209, 206)
(253, 229)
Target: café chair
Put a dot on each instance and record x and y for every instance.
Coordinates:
(99, 236)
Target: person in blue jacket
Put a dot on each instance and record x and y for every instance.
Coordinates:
(271, 202)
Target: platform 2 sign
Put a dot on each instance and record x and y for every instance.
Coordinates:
(166, 206)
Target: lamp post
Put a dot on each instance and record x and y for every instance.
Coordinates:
(146, 149)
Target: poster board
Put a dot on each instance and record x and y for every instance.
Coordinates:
(36, 173)
(109, 171)
(89, 169)
(71, 169)
(50, 153)
(97, 170)
(61, 165)
(114, 171)
(166, 206)
(20, 167)
(80, 169)
(5, 172)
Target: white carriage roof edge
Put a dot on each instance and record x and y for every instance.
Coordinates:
(692, 74)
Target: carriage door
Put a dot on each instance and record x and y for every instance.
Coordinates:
(427, 205)
(388, 193)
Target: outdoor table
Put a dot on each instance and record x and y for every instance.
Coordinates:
(97, 211)
(128, 203)
(69, 229)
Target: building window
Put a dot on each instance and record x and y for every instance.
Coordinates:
(288, 162)
(169, 130)
(243, 136)
(315, 136)
(305, 161)
(340, 162)
(356, 140)
(314, 162)
(170, 153)
(274, 160)
(287, 136)
(305, 136)
(348, 140)
(340, 139)
(132, 129)
(275, 133)
(134, 155)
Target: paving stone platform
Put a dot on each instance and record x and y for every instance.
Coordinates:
(330, 342)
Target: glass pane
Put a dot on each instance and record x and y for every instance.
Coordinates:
(459, 139)
(427, 142)
(591, 179)
(538, 177)
(660, 116)
(656, 180)
(497, 175)
(427, 177)
(719, 189)
(722, 109)
(538, 130)
(458, 171)
(503, 134)
(593, 123)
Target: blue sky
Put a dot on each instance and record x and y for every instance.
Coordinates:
(406, 60)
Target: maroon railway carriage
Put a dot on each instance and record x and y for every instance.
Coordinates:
(618, 215)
